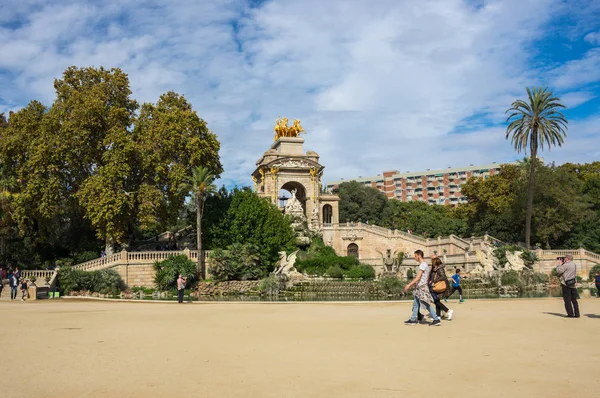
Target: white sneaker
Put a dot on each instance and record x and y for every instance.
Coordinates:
(450, 312)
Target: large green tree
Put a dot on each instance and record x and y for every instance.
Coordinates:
(535, 124)
(90, 163)
(361, 203)
(258, 222)
(424, 219)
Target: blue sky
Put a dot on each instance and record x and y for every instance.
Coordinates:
(384, 85)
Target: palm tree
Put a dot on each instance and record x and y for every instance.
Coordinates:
(535, 124)
(201, 184)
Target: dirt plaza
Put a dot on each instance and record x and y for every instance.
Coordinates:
(492, 348)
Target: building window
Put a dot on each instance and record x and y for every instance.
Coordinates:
(352, 250)
(327, 214)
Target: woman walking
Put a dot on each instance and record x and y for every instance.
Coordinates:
(439, 287)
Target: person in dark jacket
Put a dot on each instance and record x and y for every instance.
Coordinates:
(567, 272)
(14, 284)
(438, 277)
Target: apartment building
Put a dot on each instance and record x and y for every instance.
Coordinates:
(430, 186)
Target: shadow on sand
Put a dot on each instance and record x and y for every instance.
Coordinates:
(555, 314)
(594, 316)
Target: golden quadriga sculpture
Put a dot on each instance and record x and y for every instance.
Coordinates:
(283, 130)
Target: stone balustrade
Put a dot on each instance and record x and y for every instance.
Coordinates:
(39, 274)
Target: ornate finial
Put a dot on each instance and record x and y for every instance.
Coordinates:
(282, 129)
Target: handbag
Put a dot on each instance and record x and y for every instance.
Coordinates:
(440, 286)
(571, 282)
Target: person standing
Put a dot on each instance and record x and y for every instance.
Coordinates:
(14, 283)
(422, 295)
(180, 288)
(1, 280)
(24, 291)
(566, 271)
(456, 286)
(438, 277)
(597, 281)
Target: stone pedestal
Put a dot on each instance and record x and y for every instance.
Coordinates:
(32, 292)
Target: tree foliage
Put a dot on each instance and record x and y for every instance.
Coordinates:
(253, 220)
(361, 203)
(168, 270)
(535, 124)
(91, 165)
(239, 262)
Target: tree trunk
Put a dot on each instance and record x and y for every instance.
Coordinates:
(532, 161)
(199, 206)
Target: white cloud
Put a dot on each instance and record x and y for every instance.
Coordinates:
(593, 38)
(378, 85)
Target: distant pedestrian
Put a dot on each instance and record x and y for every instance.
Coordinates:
(567, 273)
(597, 281)
(456, 286)
(1, 280)
(24, 291)
(17, 273)
(14, 283)
(422, 294)
(180, 288)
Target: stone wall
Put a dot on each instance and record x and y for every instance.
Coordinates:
(227, 288)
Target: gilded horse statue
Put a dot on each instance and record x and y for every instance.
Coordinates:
(283, 130)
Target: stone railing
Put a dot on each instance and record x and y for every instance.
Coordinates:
(99, 263)
(146, 257)
(39, 274)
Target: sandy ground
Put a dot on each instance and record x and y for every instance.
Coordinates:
(517, 348)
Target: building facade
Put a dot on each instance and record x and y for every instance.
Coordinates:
(430, 186)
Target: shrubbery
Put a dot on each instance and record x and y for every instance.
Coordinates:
(322, 260)
(103, 281)
(167, 272)
(239, 262)
(270, 285)
(392, 285)
(523, 278)
(595, 268)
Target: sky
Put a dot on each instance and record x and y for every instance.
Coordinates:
(378, 85)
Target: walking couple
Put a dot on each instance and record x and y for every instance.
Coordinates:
(431, 286)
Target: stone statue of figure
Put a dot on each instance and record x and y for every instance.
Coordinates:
(293, 205)
(286, 264)
(315, 213)
(388, 260)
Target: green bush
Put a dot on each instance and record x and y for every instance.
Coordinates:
(392, 285)
(319, 259)
(103, 281)
(410, 274)
(270, 285)
(168, 270)
(511, 278)
(335, 272)
(595, 268)
(239, 262)
(145, 290)
(361, 271)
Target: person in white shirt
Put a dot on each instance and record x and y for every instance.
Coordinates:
(422, 295)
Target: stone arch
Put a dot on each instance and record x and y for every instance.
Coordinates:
(300, 192)
(327, 214)
(352, 250)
